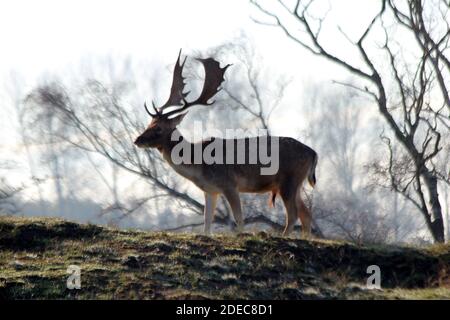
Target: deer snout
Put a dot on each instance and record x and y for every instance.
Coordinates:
(140, 141)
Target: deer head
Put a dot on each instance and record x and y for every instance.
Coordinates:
(163, 123)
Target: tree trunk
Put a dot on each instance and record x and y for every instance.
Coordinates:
(436, 225)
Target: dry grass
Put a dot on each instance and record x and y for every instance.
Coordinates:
(117, 264)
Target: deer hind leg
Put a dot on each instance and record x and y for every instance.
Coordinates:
(210, 206)
(288, 193)
(305, 217)
(233, 199)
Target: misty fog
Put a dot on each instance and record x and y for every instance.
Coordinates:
(67, 132)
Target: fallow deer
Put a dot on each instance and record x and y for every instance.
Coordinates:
(297, 161)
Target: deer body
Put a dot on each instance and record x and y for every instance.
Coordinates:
(297, 161)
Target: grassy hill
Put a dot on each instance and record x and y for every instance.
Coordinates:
(36, 252)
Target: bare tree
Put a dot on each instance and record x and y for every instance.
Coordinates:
(256, 91)
(6, 197)
(8, 192)
(14, 94)
(416, 118)
(95, 120)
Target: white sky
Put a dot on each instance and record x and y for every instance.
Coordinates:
(47, 35)
(51, 36)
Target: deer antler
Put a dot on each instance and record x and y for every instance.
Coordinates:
(214, 76)
(176, 91)
(157, 113)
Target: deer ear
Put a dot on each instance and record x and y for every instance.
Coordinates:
(177, 119)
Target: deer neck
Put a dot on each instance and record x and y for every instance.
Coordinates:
(167, 147)
(188, 170)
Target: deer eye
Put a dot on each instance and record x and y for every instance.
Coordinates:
(158, 130)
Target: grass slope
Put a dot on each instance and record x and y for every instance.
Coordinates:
(115, 264)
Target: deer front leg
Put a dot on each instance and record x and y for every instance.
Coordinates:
(288, 194)
(233, 199)
(210, 206)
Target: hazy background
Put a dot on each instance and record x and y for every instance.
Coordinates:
(121, 52)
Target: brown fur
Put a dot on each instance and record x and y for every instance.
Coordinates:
(272, 198)
(297, 161)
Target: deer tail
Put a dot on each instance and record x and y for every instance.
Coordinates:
(312, 171)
